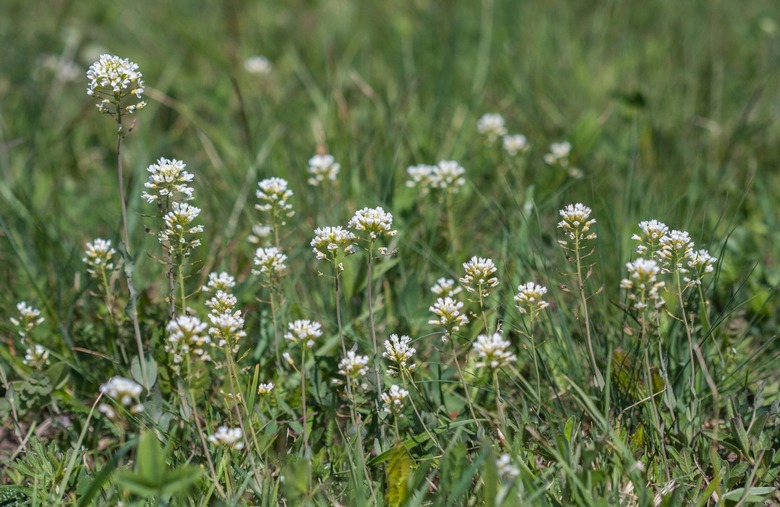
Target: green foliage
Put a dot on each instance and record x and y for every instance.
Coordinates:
(671, 112)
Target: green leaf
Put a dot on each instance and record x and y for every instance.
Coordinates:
(397, 475)
(151, 372)
(151, 459)
(753, 495)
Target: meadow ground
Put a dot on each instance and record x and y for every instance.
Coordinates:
(584, 315)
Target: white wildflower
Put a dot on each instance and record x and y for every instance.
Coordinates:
(29, 318)
(449, 316)
(329, 242)
(124, 391)
(303, 332)
(492, 126)
(478, 278)
(375, 222)
(263, 389)
(99, 257)
(516, 144)
(323, 168)
(393, 399)
(492, 351)
(445, 287)
(273, 195)
(258, 65)
(530, 298)
(399, 352)
(36, 356)
(166, 177)
(270, 262)
(219, 282)
(229, 437)
(650, 239)
(113, 79)
(576, 223)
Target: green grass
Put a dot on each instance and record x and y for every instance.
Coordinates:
(671, 109)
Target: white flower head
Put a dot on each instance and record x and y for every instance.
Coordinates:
(576, 222)
(530, 298)
(676, 249)
(492, 351)
(37, 356)
(111, 81)
(447, 311)
(187, 338)
(222, 302)
(393, 399)
(219, 282)
(447, 175)
(559, 154)
(353, 366)
(273, 195)
(701, 263)
(506, 468)
(179, 235)
(323, 168)
(420, 176)
(166, 177)
(303, 332)
(445, 287)
(516, 144)
(124, 391)
(263, 389)
(99, 257)
(29, 318)
(227, 329)
(330, 242)
(492, 126)
(650, 239)
(399, 352)
(270, 262)
(375, 222)
(479, 275)
(258, 65)
(229, 437)
(642, 284)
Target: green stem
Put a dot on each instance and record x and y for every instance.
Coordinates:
(584, 301)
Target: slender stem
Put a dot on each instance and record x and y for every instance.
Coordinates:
(482, 308)
(359, 434)
(276, 330)
(239, 401)
(181, 287)
(305, 419)
(201, 434)
(373, 334)
(454, 245)
(404, 374)
(688, 333)
(463, 381)
(533, 351)
(584, 300)
(499, 402)
(338, 307)
(126, 235)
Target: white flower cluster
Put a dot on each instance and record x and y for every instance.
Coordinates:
(273, 195)
(303, 332)
(29, 318)
(167, 177)
(353, 366)
(516, 144)
(229, 437)
(445, 287)
(258, 65)
(219, 282)
(260, 232)
(270, 262)
(329, 242)
(178, 234)
(375, 222)
(559, 157)
(263, 389)
(674, 251)
(643, 285)
(506, 468)
(447, 311)
(99, 258)
(124, 391)
(393, 399)
(530, 298)
(112, 80)
(447, 175)
(37, 356)
(399, 352)
(492, 351)
(478, 278)
(576, 223)
(323, 168)
(492, 126)
(186, 338)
